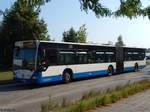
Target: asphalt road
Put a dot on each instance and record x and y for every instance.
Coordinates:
(25, 98)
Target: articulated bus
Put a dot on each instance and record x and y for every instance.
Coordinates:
(43, 61)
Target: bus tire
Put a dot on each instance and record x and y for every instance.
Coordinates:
(67, 75)
(110, 70)
(136, 67)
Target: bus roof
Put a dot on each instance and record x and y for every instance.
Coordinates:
(86, 44)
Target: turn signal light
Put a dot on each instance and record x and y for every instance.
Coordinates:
(34, 78)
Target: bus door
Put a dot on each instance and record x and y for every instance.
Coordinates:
(119, 60)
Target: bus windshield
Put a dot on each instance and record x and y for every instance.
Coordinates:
(24, 58)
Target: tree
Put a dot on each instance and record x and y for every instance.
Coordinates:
(128, 8)
(70, 36)
(75, 36)
(82, 34)
(119, 43)
(20, 22)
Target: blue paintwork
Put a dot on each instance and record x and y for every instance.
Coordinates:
(90, 74)
(141, 66)
(49, 79)
(56, 78)
(126, 69)
(75, 76)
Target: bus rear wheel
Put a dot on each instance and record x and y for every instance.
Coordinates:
(67, 77)
(136, 67)
(110, 70)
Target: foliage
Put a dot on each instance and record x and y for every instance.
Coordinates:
(128, 8)
(101, 99)
(119, 43)
(82, 34)
(70, 35)
(95, 6)
(75, 36)
(20, 22)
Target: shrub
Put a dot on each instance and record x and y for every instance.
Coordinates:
(94, 99)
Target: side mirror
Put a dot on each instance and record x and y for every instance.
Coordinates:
(43, 68)
(44, 65)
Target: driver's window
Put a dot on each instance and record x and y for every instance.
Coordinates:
(51, 56)
(48, 57)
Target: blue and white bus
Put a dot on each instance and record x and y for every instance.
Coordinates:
(43, 61)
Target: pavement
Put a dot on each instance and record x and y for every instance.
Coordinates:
(26, 98)
(136, 103)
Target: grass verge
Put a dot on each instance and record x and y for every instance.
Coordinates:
(5, 76)
(97, 99)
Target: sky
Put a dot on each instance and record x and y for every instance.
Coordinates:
(60, 15)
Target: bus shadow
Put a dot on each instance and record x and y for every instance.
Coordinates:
(25, 86)
(17, 86)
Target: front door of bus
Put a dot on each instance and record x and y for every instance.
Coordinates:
(119, 60)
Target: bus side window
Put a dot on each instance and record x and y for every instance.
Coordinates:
(110, 56)
(91, 57)
(100, 57)
(66, 57)
(141, 56)
(82, 57)
(61, 59)
(135, 56)
(128, 56)
(51, 57)
(70, 58)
